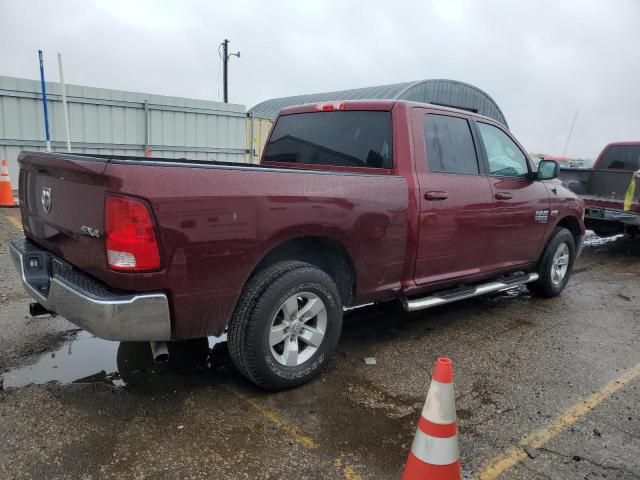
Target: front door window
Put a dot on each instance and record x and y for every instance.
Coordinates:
(504, 156)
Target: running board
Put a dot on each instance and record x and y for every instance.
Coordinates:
(450, 296)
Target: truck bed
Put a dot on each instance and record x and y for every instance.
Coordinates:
(598, 184)
(603, 192)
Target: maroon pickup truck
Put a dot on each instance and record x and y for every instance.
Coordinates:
(610, 189)
(354, 202)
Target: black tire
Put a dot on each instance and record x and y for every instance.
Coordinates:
(260, 302)
(547, 286)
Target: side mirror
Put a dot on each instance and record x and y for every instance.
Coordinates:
(548, 169)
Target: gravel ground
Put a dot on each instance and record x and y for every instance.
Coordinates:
(103, 410)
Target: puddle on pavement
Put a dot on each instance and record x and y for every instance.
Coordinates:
(84, 358)
(81, 356)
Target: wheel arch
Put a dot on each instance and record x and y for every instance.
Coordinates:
(572, 224)
(326, 253)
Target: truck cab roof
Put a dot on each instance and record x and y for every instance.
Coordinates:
(374, 104)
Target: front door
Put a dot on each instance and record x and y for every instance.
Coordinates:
(521, 203)
(455, 199)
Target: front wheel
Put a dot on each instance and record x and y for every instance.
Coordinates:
(287, 323)
(555, 264)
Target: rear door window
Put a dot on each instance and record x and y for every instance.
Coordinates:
(342, 138)
(504, 157)
(450, 146)
(621, 157)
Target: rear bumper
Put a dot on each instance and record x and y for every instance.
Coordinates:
(91, 305)
(612, 215)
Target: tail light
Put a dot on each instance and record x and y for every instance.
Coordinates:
(131, 239)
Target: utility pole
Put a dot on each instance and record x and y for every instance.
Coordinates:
(573, 124)
(225, 68)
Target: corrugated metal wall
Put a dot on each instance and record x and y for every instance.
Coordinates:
(114, 122)
(257, 134)
(450, 93)
(270, 108)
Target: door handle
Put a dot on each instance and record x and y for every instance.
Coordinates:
(436, 196)
(503, 196)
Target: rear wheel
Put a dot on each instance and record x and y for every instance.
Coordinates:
(286, 324)
(555, 264)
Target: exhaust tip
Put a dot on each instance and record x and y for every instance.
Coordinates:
(159, 351)
(163, 357)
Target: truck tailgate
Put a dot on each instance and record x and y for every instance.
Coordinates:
(62, 206)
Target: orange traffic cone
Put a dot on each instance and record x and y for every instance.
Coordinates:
(434, 452)
(6, 193)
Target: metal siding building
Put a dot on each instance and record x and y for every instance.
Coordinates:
(258, 130)
(449, 93)
(115, 122)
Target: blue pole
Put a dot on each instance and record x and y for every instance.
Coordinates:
(44, 103)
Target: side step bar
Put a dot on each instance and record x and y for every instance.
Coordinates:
(450, 296)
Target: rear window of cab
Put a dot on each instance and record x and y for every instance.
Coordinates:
(337, 138)
(621, 157)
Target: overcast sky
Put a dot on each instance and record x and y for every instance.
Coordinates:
(540, 60)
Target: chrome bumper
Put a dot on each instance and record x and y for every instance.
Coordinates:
(612, 215)
(87, 303)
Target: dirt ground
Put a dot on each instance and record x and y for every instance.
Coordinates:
(544, 389)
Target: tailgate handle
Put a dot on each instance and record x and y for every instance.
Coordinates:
(436, 196)
(503, 196)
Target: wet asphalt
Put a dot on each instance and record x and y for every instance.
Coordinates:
(545, 371)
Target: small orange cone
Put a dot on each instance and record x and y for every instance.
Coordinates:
(6, 193)
(434, 452)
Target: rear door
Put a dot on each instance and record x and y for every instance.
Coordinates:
(521, 203)
(455, 199)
